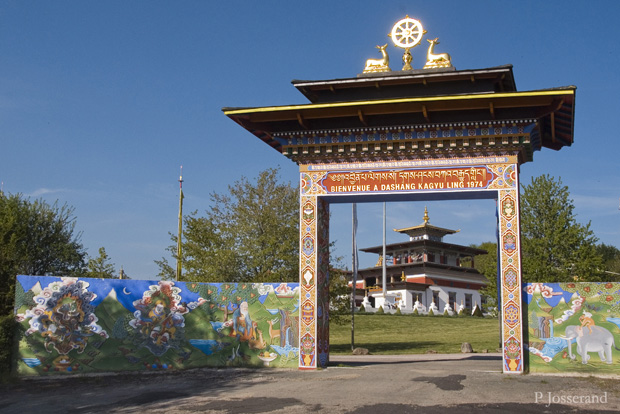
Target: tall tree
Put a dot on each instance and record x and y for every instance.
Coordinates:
(555, 247)
(36, 238)
(611, 261)
(486, 264)
(250, 233)
(339, 295)
(100, 266)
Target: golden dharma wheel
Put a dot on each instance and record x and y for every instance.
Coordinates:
(407, 33)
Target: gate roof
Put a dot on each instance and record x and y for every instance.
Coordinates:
(415, 115)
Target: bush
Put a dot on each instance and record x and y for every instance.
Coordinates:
(431, 313)
(362, 309)
(380, 310)
(398, 312)
(415, 312)
(477, 312)
(8, 330)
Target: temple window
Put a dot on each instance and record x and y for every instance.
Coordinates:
(452, 299)
(468, 297)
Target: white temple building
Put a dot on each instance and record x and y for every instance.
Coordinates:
(424, 272)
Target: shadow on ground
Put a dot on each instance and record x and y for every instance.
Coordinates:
(350, 360)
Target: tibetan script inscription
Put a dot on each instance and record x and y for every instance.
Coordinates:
(406, 180)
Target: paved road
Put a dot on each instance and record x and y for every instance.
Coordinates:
(352, 384)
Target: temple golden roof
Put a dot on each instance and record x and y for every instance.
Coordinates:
(425, 228)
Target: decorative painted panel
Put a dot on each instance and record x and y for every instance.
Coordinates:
(314, 281)
(497, 129)
(98, 325)
(494, 174)
(510, 271)
(409, 176)
(573, 327)
(308, 280)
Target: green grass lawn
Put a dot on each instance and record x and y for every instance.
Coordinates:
(407, 334)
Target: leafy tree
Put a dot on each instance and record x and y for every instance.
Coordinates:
(611, 261)
(100, 267)
(486, 264)
(35, 239)
(339, 296)
(555, 247)
(250, 233)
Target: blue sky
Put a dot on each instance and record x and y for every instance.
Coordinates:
(101, 102)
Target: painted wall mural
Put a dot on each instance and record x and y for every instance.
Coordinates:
(573, 327)
(84, 325)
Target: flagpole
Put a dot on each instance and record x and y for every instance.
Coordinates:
(384, 277)
(180, 233)
(354, 286)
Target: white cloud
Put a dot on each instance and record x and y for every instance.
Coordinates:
(596, 204)
(45, 191)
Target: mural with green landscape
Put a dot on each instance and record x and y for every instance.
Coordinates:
(73, 325)
(573, 327)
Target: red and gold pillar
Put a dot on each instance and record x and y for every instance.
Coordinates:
(314, 282)
(510, 272)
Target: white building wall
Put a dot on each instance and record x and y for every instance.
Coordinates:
(409, 297)
(444, 296)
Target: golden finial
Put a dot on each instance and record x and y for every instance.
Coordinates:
(425, 215)
(407, 59)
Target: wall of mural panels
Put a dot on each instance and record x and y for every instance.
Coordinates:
(97, 325)
(573, 327)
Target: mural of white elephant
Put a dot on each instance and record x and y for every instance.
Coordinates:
(560, 315)
(590, 339)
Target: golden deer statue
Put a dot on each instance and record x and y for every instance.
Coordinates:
(441, 60)
(379, 65)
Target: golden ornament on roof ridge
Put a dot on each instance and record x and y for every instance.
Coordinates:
(406, 34)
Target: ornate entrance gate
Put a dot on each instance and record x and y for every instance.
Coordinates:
(429, 134)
